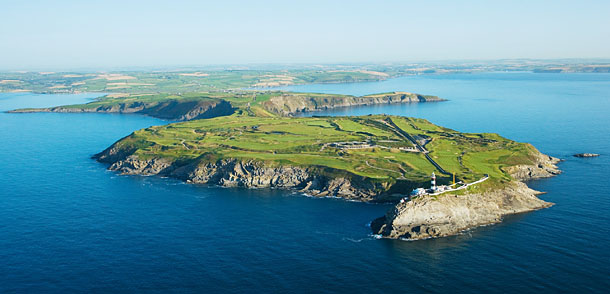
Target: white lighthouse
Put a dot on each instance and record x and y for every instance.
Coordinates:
(433, 181)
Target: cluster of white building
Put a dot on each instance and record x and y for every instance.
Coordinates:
(436, 190)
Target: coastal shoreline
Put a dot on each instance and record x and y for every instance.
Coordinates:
(423, 217)
(429, 217)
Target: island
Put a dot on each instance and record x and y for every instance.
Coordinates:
(373, 158)
(585, 155)
(442, 181)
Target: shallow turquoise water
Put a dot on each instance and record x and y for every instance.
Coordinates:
(68, 225)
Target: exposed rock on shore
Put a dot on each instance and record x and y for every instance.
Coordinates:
(449, 214)
(247, 174)
(544, 167)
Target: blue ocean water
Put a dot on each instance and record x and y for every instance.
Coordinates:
(68, 225)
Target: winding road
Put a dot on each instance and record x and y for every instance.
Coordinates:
(421, 148)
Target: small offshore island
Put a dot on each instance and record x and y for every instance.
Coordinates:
(585, 155)
(251, 139)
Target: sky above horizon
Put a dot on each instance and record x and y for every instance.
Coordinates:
(66, 34)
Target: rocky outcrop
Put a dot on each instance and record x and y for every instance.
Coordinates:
(586, 155)
(430, 217)
(544, 167)
(248, 174)
(448, 214)
(291, 103)
(180, 110)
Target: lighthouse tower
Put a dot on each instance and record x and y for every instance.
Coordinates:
(433, 181)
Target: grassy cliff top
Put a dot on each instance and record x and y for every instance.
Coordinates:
(369, 146)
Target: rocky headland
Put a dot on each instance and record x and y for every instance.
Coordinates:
(448, 214)
(180, 110)
(289, 103)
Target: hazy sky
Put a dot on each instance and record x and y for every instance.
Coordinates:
(75, 34)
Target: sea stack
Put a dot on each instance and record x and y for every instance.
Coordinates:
(582, 155)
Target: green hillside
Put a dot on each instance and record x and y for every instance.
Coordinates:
(367, 146)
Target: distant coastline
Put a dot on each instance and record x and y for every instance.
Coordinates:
(227, 79)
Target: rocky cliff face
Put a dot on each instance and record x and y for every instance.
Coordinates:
(544, 167)
(430, 217)
(171, 109)
(448, 214)
(289, 104)
(246, 173)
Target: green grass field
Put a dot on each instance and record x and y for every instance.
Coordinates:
(306, 142)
